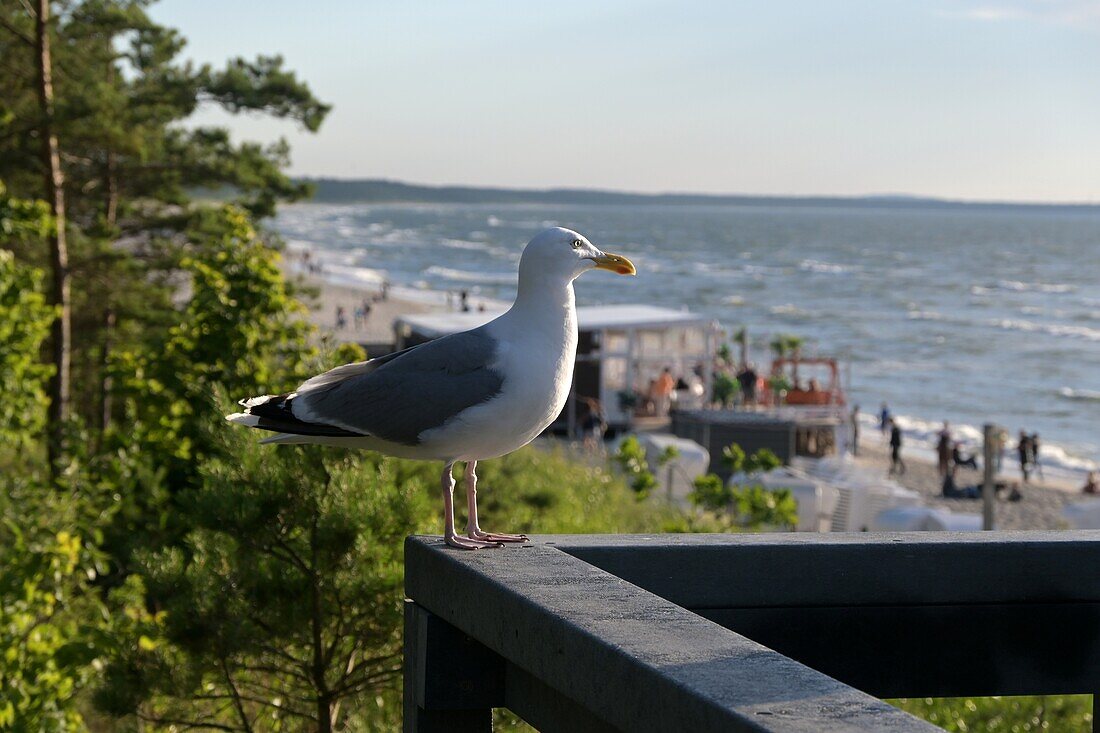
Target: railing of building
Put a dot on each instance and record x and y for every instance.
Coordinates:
(776, 632)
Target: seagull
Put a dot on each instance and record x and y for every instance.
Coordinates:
(465, 397)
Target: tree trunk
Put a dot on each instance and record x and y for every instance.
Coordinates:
(59, 255)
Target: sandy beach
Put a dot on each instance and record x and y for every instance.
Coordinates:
(1040, 508)
(377, 327)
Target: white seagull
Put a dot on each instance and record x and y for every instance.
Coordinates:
(466, 397)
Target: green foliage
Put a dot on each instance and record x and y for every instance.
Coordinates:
(241, 329)
(756, 506)
(785, 344)
(1062, 713)
(725, 389)
(752, 505)
(669, 454)
(293, 550)
(25, 320)
(711, 492)
(733, 458)
(46, 654)
(779, 383)
(631, 458)
(725, 353)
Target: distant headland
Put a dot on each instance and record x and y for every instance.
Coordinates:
(369, 190)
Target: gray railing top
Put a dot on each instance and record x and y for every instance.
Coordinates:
(635, 660)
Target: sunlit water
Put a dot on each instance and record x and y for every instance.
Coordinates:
(969, 316)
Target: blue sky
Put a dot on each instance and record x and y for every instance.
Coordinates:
(973, 100)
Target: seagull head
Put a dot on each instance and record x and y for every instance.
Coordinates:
(566, 254)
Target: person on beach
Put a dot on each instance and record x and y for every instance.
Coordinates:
(747, 378)
(943, 449)
(884, 419)
(1000, 443)
(464, 301)
(1091, 486)
(1023, 453)
(959, 459)
(855, 430)
(594, 425)
(662, 392)
(1033, 443)
(341, 318)
(897, 465)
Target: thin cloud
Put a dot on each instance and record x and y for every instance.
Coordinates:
(1072, 13)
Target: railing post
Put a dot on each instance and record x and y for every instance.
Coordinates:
(452, 683)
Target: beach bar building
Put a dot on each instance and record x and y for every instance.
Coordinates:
(621, 350)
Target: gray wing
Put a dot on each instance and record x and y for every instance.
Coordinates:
(416, 390)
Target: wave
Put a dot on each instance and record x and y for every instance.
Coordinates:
(466, 276)
(788, 309)
(919, 315)
(829, 268)
(1036, 287)
(351, 275)
(1084, 395)
(466, 244)
(1053, 329)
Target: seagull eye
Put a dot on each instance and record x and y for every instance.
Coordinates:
(576, 244)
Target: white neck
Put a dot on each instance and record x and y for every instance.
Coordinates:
(545, 301)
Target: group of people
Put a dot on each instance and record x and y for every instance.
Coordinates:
(361, 315)
(950, 454)
(464, 305)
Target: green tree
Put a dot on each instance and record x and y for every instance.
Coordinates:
(631, 459)
(752, 505)
(25, 320)
(112, 124)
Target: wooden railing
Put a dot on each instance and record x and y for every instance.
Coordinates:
(778, 632)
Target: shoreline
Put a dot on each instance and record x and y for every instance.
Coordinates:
(376, 329)
(1040, 507)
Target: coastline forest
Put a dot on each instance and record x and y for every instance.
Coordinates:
(161, 571)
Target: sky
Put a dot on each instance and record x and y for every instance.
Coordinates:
(982, 100)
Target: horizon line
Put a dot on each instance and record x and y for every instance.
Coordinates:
(878, 197)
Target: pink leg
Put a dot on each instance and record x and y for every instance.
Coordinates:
(472, 528)
(449, 535)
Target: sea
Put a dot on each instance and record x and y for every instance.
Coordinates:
(970, 315)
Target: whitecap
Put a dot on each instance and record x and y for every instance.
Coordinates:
(830, 268)
(467, 276)
(1085, 395)
(1036, 287)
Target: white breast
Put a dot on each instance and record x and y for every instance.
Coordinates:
(536, 352)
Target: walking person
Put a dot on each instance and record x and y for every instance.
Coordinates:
(884, 420)
(1035, 464)
(943, 450)
(746, 379)
(1023, 453)
(897, 465)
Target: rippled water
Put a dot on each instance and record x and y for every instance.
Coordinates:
(945, 314)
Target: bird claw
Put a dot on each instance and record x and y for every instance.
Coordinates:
(469, 544)
(493, 537)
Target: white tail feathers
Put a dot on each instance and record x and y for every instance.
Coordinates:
(256, 401)
(243, 418)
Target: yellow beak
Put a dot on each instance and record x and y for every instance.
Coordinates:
(615, 263)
